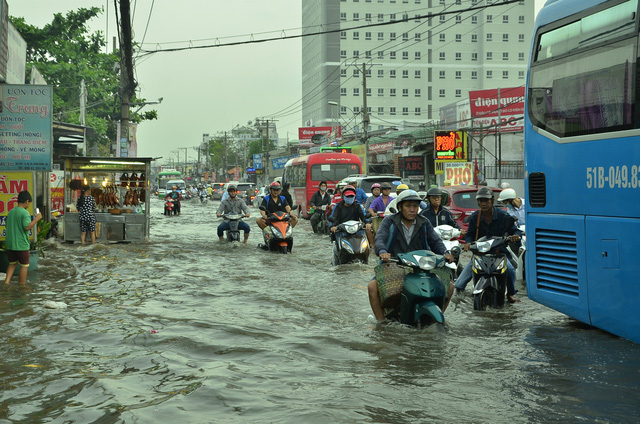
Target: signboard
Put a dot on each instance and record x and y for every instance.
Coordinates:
(336, 149)
(128, 148)
(257, 161)
(251, 170)
(451, 145)
(56, 184)
(279, 163)
(500, 104)
(16, 56)
(458, 172)
(381, 147)
(12, 183)
(26, 128)
(305, 133)
(411, 165)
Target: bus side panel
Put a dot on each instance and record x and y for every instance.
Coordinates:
(299, 197)
(614, 270)
(556, 263)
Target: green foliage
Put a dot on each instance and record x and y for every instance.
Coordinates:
(65, 53)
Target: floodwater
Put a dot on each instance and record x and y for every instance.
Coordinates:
(185, 329)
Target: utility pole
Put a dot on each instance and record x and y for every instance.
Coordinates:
(224, 156)
(127, 84)
(365, 118)
(184, 166)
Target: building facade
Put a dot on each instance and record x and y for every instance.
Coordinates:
(421, 56)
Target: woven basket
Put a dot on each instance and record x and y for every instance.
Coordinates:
(390, 278)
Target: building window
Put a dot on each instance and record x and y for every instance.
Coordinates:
(458, 38)
(405, 92)
(505, 19)
(442, 19)
(442, 56)
(356, 110)
(405, 36)
(521, 19)
(343, 54)
(521, 56)
(392, 36)
(405, 55)
(356, 16)
(380, 73)
(489, 74)
(474, 19)
(343, 91)
(343, 109)
(474, 56)
(505, 74)
(417, 56)
(343, 16)
(474, 74)
(367, 54)
(458, 92)
(417, 74)
(367, 36)
(343, 35)
(381, 110)
(489, 19)
(443, 37)
(458, 19)
(392, 92)
(343, 72)
(417, 92)
(356, 72)
(380, 92)
(405, 110)
(367, 17)
(416, 18)
(489, 55)
(356, 92)
(392, 73)
(368, 92)
(442, 74)
(505, 55)
(356, 35)
(474, 38)
(458, 74)
(356, 53)
(521, 38)
(442, 92)
(381, 36)
(380, 17)
(417, 36)
(392, 55)
(405, 74)
(392, 17)
(392, 110)
(489, 37)
(458, 56)
(380, 54)
(520, 74)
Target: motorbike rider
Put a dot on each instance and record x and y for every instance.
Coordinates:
(337, 196)
(274, 202)
(403, 232)
(489, 221)
(175, 197)
(438, 214)
(381, 202)
(347, 209)
(319, 198)
(233, 204)
(393, 208)
(515, 204)
(375, 192)
(361, 195)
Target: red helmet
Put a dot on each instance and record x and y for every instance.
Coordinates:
(274, 186)
(348, 190)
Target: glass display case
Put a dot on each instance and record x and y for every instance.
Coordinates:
(121, 189)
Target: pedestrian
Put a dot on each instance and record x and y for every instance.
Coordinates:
(86, 206)
(17, 244)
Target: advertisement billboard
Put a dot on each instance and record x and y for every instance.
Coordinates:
(504, 105)
(305, 133)
(12, 183)
(26, 127)
(451, 145)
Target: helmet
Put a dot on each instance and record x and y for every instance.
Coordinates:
(506, 194)
(274, 186)
(484, 193)
(342, 184)
(504, 185)
(349, 189)
(434, 191)
(407, 195)
(385, 185)
(375, 185)
(231, 187)
(401, 187)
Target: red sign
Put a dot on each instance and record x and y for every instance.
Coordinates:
(451, 145)
(503, 104)
(382, 147)
(305, 133)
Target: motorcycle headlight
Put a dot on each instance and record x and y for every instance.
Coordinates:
(446, 234)
(289, 231)
(425, 262)
(351, 229)
(276, 232)
(363, 245)
(484, 246)
(346, 246)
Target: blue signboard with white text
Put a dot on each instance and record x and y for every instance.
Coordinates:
(279, 163)
(26, 127)
(257, 161)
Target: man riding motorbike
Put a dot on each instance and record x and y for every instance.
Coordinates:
(347, 209)
(489, 221)
(320, 198)
(403, 232)
(233, 205)
(438, 214)
(175, 197)
(381, 202)
(274, 202)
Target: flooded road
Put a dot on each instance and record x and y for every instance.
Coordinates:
(185, 329)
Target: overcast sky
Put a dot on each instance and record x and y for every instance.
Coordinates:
(203, 90)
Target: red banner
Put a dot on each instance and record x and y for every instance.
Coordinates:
(486, 109)
(305, 133)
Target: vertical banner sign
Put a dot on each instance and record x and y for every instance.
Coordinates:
(12, 183)
(451, 145)
(56, 184)
(26, 130)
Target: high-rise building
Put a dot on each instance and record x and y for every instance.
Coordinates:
(417, 56)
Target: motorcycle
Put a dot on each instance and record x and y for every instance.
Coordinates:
(424, 294)
(518, 259)
(203, 198)
(489, 272)
(233, 232)
(350, 244)
(324, 226)
(278, 234)
(448, 233)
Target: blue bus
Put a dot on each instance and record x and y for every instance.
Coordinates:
(582, 163)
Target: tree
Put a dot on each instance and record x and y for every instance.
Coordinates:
(66, 53)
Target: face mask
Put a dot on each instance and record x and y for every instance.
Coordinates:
(349, 200)
(323, 189)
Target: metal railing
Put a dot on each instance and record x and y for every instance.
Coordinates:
(506, 171)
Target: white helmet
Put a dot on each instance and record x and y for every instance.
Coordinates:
(407, 195)
(504, 185)
(507, 194)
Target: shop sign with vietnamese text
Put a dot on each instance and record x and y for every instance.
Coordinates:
(12, 183)
(451, 145)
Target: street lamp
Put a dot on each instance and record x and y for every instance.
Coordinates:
(143, 104)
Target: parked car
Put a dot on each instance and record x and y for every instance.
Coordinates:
(216, 193)
(461, 201)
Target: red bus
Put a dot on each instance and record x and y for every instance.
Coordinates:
(304, 173)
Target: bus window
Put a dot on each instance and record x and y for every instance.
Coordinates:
(333, 172)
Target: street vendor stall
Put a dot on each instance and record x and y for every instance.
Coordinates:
(120, 187)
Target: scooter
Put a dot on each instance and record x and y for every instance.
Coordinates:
(350, 244)
(278, 234)
(447, 233)
(489, 272)
(233, 232)
(203, 198)
(423, 295)
(324, 226)
(518, 258)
